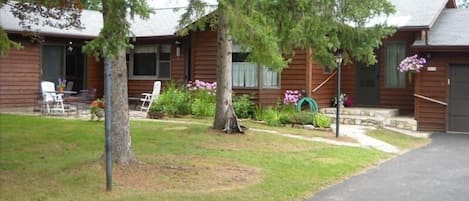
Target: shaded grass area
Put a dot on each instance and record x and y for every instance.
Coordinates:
(399, 140)
(56, 159)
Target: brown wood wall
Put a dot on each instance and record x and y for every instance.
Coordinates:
(432, 116)
(20, 72)
(204, 56)
(293, 77)
(348, 80)
(324, 94)
(401, 98)
(95, 74)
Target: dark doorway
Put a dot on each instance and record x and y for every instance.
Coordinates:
(52, 62)
(459, 99)
(67, 62)
(367, 85)
(75, 67)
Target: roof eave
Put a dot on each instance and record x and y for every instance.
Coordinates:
(442, 48)
(75, 36)
(413, 28)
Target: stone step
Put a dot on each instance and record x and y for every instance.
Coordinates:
(403, 123)
(357, 111)
(358, 120)
(406, 123)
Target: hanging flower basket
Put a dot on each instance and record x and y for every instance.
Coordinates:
(412, 65)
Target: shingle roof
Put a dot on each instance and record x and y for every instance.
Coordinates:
(451, 29)
(163, 22)
(91, 20)
(416, 13)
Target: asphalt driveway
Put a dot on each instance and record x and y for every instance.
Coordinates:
(437, 172)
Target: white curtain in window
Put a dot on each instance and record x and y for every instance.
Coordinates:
(395, 53)
(244, 74)
(271, 78)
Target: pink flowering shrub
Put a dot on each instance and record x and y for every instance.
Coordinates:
(202, 97)
(291, 97)
(412, 63)
(197, 84)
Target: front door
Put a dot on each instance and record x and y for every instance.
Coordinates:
(52, 62)
(459, 99)
(75, 67)
(367, 85)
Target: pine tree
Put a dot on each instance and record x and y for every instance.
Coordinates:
(272, 30)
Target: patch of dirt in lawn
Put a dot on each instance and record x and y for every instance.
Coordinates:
(181, 174)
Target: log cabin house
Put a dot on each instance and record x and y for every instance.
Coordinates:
(437, 97)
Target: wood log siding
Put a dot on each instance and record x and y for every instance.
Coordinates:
(95, 75)
(323, 95)
(293, 77)
(434, 84)
(204, 56)
(20, 72)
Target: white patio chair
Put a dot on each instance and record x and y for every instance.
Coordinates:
(148, 98)
(53, 101)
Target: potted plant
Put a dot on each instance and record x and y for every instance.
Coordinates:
(61, 84)
(342, 100)
(97, 109)
(155, 111)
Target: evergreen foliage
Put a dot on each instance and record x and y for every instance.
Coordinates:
(271, 30)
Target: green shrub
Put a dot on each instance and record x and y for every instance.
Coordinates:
(243, 106)
(302, 118)
(173, 101)
(203, 103)
(322, 121)
(270, 116)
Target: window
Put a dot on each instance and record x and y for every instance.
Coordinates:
(150, 62)
(271, 78)
(395, 53)
(246, 74)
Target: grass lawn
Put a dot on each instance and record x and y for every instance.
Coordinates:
(44, 159)
(399, 140)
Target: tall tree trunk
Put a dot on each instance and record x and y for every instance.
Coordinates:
(224, 65)
(120, 128)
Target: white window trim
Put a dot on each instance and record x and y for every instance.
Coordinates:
(131, 75)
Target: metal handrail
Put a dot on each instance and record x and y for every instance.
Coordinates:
(325, 81)
(430, 99)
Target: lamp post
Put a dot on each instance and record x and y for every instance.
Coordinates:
(338, 60)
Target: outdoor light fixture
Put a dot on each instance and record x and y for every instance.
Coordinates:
(178, 48)
(338, 60)
(70, 48)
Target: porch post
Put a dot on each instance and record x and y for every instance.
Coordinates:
(338, 58)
